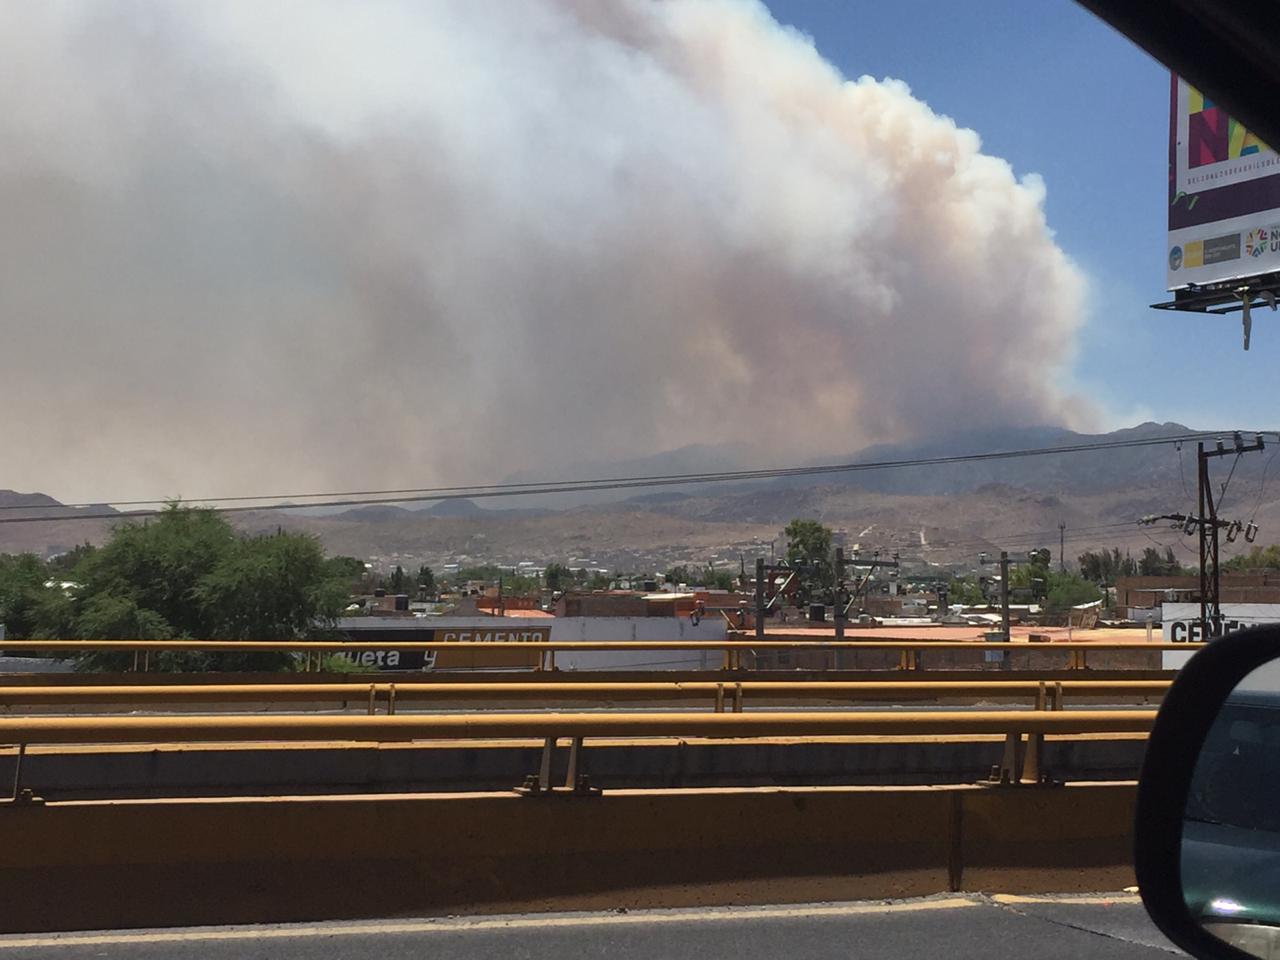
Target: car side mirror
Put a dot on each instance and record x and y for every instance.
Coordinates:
(1207, 827)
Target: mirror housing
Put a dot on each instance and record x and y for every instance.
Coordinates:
(1187, 716)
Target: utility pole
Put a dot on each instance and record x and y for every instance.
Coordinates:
(837, 597)
(841, 604)
(1210, 572)
(1062, 543)
(759, 598)
(1004, 594)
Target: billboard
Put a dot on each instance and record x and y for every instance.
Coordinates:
(1181, 624)
(371, 630)
(1224, 195)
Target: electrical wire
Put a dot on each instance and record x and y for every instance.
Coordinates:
(1182, 474)
(1262, 484)
(1226, 483)
(365, 498)
(484, 491)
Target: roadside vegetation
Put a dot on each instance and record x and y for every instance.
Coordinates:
(185, 574)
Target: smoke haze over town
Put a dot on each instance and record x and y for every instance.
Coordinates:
(317, 245)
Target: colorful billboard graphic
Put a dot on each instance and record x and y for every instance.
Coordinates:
(1224, 195)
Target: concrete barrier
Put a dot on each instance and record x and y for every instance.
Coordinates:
(114, 864)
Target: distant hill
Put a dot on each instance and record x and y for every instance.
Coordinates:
(934, 514)
(452, 508)
(36, 501)
(48, 536)
(1074, 473)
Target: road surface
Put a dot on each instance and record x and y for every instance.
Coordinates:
(953, 927)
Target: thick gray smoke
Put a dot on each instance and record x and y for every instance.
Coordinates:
(253, 247)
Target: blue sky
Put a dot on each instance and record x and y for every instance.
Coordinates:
(1056, 92)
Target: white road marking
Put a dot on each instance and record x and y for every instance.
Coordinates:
(736, 914)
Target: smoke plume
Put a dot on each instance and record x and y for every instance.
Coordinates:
(308, 244)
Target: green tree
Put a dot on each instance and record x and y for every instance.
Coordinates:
(965, 590)
(398, 581)
(557, 577)
(159, 565)
(808, 540)
(188, 575)
(348, 569)
(716, 579)
(679, 574)
(1258, 558)
(1067, 590)
(1153, 563)
(809, 548)
(426, 581)
(1032, 576)
(66, 562)
(1102, 567)
(22, 592)
(270, 588)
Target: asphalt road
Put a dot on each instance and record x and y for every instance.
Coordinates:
(955, 927)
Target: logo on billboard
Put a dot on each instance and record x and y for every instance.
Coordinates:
(1214, 137)
(1256, 241)
(1221, 249)
(1175, 258)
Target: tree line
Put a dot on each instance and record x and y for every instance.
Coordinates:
(185, 574)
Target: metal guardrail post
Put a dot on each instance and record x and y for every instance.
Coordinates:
(544, 768)
(575, 752)
(577, 781)
(20, 794)
(719, 707)
(17, 773)
(391, 699)
(1034, 753)
(737, 698)
(1009, 770)
(373, 698)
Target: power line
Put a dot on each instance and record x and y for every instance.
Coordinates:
(1262, 484)
(485, 491)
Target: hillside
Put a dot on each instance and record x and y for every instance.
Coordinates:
(945, 514)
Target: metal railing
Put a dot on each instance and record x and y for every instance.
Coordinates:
(732, 650)
(721, 696)
(1021, 763)
(479, 726)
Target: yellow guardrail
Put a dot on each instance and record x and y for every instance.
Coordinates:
(403, 727)
(1021, 761)
(341, 646)
(732, 650)
(720, 694)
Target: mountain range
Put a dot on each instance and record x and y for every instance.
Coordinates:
(941, 513)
